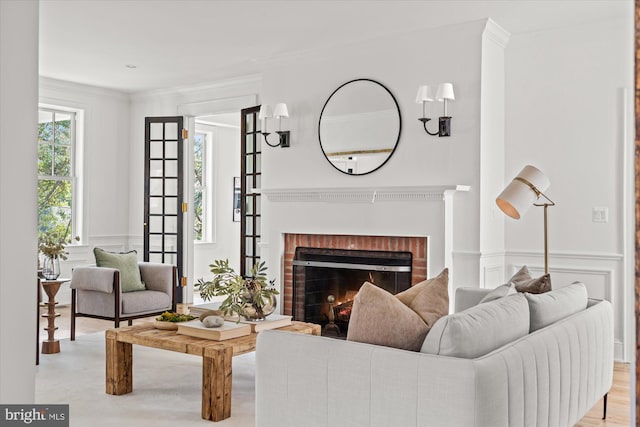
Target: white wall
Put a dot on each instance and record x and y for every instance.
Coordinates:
(566, 115)
(105, 169)
(18, 220)
(401, 63)
(226, 165)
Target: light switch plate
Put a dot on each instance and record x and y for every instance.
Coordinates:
(600, 214)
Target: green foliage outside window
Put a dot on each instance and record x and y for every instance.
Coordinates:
(198, 164)
(54, 176)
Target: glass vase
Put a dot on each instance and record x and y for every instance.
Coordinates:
(51, 268)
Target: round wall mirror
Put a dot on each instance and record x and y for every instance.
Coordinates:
(359, 127)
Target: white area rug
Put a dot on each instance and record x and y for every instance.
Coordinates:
(166, 387)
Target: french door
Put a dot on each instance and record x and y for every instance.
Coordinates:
(163, 192)
(251, 178)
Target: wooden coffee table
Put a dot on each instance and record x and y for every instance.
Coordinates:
(216, 360)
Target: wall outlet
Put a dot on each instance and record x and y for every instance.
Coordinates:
(600, 214)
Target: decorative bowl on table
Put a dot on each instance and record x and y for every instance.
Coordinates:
(169, 321)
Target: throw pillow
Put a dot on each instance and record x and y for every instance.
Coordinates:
(552, 306)
(126, 263)
(429, 298)
(525, 283)
(499, 292)
(378, 317)
(479, 330)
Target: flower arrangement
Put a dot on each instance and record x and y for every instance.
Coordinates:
(252, 297)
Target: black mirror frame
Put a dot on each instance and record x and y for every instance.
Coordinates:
(399, 126)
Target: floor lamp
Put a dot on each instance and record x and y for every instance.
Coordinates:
(523, 192)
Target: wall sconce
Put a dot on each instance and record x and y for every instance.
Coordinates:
(279, 111)
(444, 93)
(521, 193)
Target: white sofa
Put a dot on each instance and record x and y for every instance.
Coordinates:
(550, 377)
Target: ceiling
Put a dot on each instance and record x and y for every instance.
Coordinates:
(184, 42)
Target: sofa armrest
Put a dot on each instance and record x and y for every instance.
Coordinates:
(159, 277)
(305, 380)
(99, 279)
(468, 297)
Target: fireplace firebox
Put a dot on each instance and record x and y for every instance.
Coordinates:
(325, 281)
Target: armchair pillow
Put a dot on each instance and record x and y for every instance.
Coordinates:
(127, 263)
(499, 292)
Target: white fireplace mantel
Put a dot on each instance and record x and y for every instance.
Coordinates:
(361, 195)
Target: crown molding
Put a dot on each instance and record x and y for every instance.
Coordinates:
(65, 86)
(197, 88)
(496, 33)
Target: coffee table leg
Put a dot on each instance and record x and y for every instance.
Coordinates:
(119, 360)
(216, 382)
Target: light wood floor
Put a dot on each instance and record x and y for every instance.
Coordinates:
(618, 406)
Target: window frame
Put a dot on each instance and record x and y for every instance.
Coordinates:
(207, 187)
(75, 132)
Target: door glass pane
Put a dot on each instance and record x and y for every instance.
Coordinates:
(249, 122)
(155, 149)
(155, 130)
(171, 187)
(249, 225)
(170, 243)
(258, 181)
(249, 184)
(171, 131)
(155, 186)
(155, 224)
(171, 168)
(155, 205)
(155, 242)
(155, 258)
(249, 144)
(171, 149)
(258, 162)
(170, 259)
(249, 164)
(170, 224)
(171, 205)
(249, 246)
(249, 205)
(155, 168)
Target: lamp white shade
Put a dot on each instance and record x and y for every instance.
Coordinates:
(518, 197)
(445, 91)
(280, 110)
(424, 94)
(265, 112)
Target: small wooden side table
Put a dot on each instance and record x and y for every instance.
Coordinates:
(51, 287)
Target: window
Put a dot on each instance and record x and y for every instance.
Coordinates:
(201, 189)
(56, 174)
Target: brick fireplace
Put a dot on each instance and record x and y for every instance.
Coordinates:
(417, 246)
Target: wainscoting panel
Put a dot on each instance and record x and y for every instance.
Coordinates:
(602, 275)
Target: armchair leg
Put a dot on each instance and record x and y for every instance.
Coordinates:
(130, 322)
(604, 412)
(73, 314)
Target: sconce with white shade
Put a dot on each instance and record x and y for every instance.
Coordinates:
(522, 193)
(279, 111)
(444, 93)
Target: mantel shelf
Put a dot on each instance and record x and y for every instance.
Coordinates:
(361, 195)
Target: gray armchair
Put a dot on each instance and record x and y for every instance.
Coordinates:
(96, 293)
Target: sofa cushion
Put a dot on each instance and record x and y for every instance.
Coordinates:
(552, 306)
(380, 318)
(499, 292)
(126, 263)
(525, 283)
(480, 329)
(429, 298)
(139, 302)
